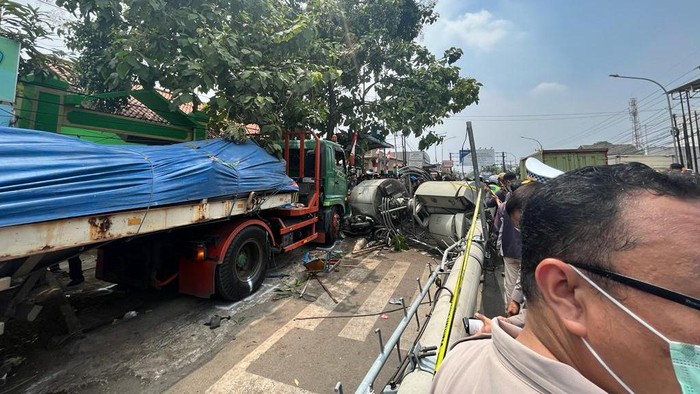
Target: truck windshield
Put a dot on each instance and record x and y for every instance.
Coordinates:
(294, 163)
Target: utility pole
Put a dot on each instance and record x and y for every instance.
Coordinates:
(396, 159)
(461, 160)
(688, 138)
(674, 129)
(690, 125)
(403, 142)
(634, 116)
(477, 182)
(678, 143)
(646, 140)
(503, 160)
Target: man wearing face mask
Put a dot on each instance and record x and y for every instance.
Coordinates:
(611, 273)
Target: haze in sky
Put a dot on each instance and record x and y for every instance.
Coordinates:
(544, 65)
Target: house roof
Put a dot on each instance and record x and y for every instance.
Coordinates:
(143, 104)
(133, 108)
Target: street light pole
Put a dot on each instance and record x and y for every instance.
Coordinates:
(674, 129)
(538, 143)
(515, 162)
(442, 148)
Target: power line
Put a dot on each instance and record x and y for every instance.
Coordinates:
(609, 122)
(625, 133)
(537, 119)
(604, 125)
(571, 115)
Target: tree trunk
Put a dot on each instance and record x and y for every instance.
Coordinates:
(331, 120)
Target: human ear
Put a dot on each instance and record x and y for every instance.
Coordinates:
(560, 287)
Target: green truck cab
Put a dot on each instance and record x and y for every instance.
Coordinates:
(333, 182)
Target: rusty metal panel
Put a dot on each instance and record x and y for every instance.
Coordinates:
(29, 239)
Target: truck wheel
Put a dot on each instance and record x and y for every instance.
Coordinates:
(243, 269)
(332, 225)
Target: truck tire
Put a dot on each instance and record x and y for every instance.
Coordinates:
(332, 224)
(243, 268)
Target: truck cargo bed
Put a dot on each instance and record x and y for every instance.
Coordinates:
(46, 176)
(55, 235)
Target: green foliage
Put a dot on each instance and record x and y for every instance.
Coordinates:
(252, 56)
(93, 37)
(399, 243)
(390, 83)
(315, 64)
(28, 25)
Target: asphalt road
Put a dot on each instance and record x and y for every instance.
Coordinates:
(275, 341)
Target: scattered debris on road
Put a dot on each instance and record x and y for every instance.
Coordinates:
(215, 321)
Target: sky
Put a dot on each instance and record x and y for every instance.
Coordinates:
(544, 66)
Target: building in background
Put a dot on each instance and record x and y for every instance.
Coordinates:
(9, 64)
(415, 158)
(485, 157)
(381, 162)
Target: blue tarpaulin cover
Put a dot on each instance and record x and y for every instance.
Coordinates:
(46, 176)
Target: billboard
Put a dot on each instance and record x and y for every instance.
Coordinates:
(9, 64)
(416, 158)
(484, 157)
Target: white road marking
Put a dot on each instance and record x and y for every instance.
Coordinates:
(359, 327)
(256, 298)
(323, 306)
(247, 382)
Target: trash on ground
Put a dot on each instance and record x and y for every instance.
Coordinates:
(130, 315)
(215, 321)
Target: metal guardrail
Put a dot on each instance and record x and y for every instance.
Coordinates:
(386, 349)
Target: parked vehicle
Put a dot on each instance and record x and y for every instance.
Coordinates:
(568, 159)
(219, 245)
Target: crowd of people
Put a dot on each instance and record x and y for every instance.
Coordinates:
(602, 287)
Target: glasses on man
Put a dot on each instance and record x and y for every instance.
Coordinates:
(648, 288)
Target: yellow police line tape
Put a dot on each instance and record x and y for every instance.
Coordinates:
(458, 288)
(458, 183)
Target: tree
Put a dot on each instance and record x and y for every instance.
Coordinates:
(281, 65)
(29, 26)
(414, 90)
(251, 54)
(93, 38)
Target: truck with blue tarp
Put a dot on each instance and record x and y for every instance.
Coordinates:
(205, 215)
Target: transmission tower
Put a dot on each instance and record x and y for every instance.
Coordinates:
(634, 116)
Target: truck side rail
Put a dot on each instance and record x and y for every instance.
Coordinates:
(38, 238)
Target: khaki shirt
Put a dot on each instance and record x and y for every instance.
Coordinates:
(503, 365)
